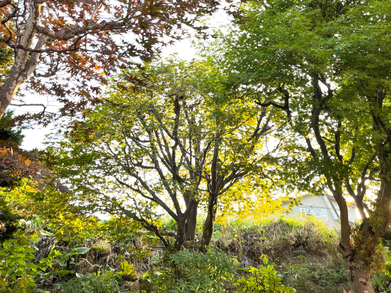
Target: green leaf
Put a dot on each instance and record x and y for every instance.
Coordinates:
(30, 250)
(62, 273)
(82, 250)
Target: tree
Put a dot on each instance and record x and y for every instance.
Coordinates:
(325, 65)
(171, 143)
(66, 44)
(7, 130)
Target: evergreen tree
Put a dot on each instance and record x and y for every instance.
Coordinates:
(7, 130)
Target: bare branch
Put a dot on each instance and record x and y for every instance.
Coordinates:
(28, 105)
(67, 33)
(5, 3)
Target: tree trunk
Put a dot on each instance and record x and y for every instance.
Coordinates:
(358, 272)
(24, 63)
(209, 223)
(181, 233)
(359, 279)
(191, 223)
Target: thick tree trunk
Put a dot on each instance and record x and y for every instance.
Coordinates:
(191, 223)
(359, 279)
(181, 233)
(209, 223)
(358, 272)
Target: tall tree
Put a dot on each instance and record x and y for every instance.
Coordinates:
(171, 141)
(326, 65)
(65, 44)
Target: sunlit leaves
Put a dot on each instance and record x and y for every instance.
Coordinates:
(167, 136)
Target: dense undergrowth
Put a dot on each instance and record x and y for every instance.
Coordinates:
(272, 255)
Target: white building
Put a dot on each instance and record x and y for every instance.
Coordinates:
(323, 207)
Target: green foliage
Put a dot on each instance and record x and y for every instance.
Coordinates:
(283, 234)
(127, 268)
(9, 220)
(40, 202)
(170, 225)
(16, 267)
(387, 237)
(382, 279)
(18, 271)
(262, 279)
(324, 67)
(316, 278)
(118, 229)
(92, 283)
(195, 272)
(6, 55)
(127, 272)
(8, 131)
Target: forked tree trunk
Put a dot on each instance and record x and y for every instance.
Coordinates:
(186, 226)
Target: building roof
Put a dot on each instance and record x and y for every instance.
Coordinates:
(330, 197)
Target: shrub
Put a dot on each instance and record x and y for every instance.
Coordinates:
(315, 278)
(16, 268)
(9, 221)
(92, 283)
(18, 272)
(381, 282)
(263, 279)
(195, 272)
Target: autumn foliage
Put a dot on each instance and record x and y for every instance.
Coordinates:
(64, 45)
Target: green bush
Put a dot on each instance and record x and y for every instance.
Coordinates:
(313, 277)
(263, 279)
(16, 268)
(195, 272)
(18, 272)
(9, 221)
(381, 281)
(92, 283)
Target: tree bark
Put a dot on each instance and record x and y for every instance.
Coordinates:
(181, 233)
(360, 280)
(191, 223)
(25, 63)
(209, 222)
(358, 272)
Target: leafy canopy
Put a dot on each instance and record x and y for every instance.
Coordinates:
(168, 136)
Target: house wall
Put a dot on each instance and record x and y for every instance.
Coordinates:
(352, 215)
(321, 209)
